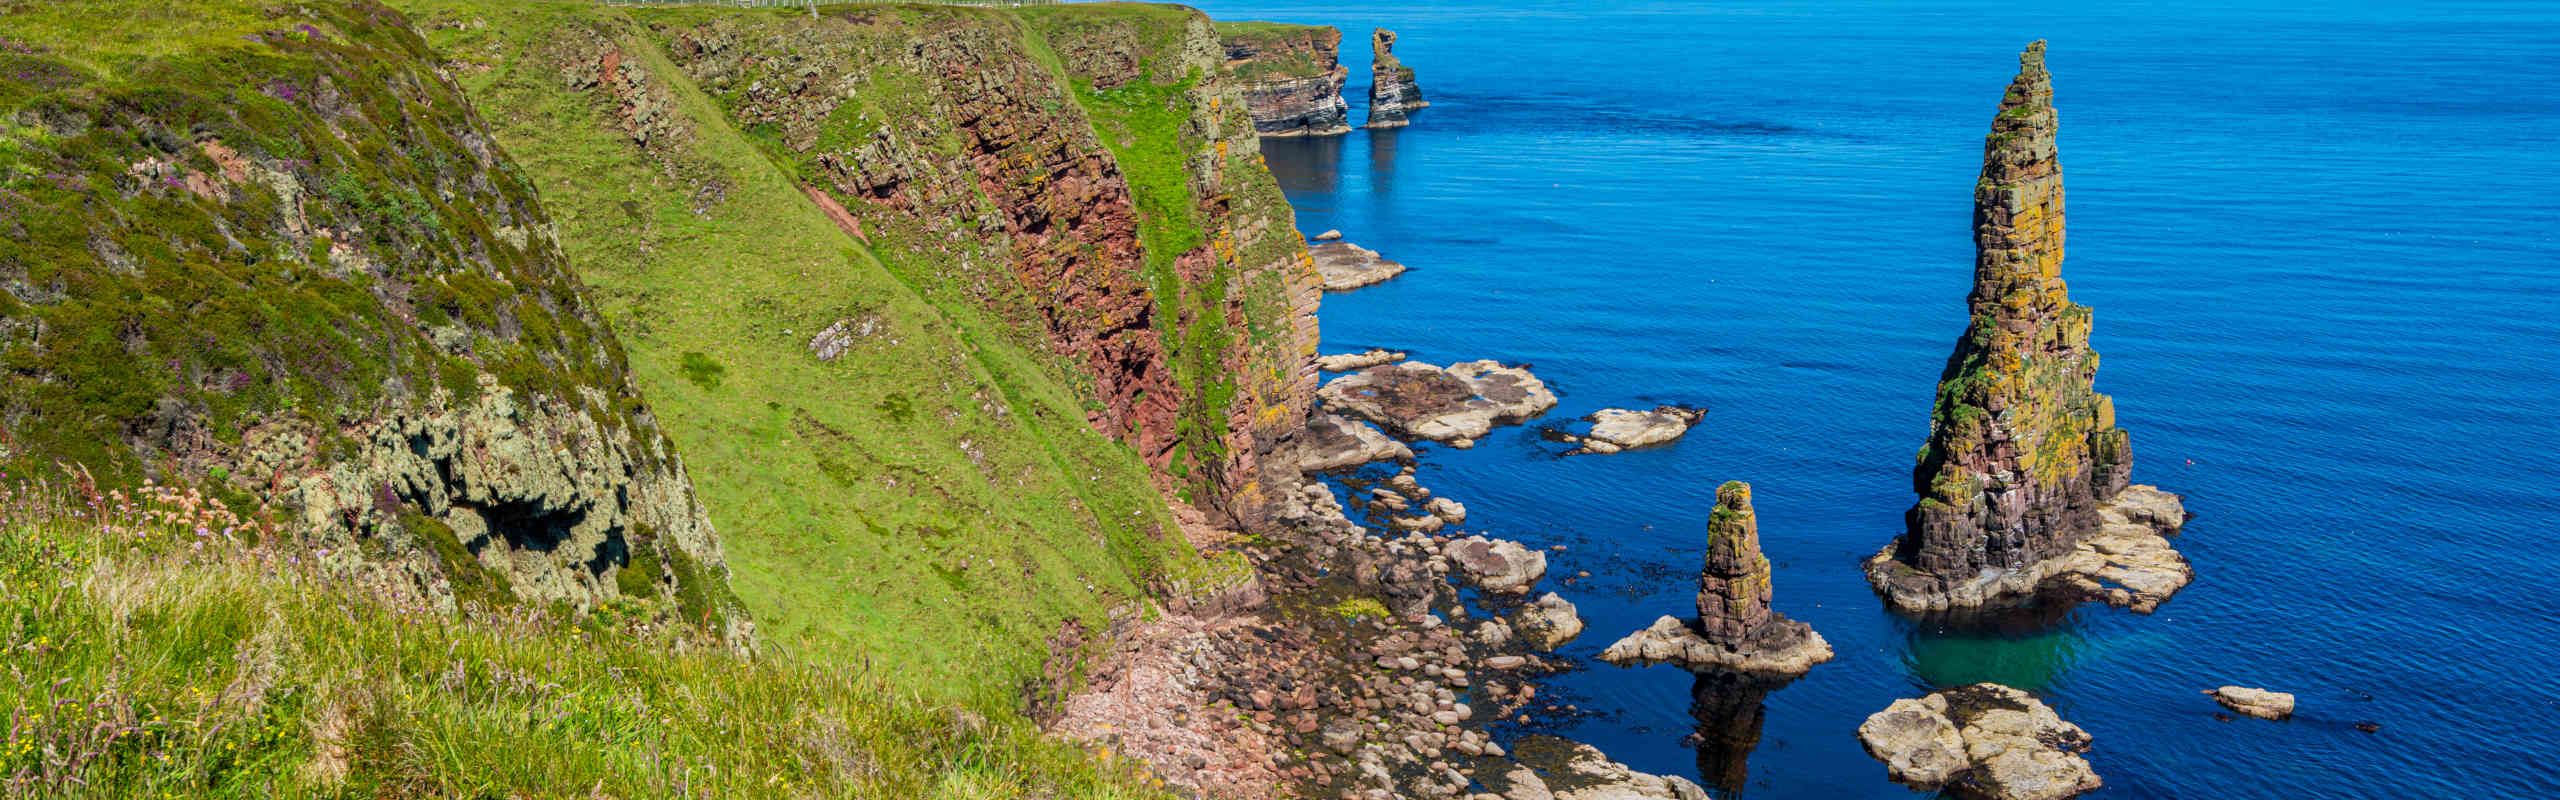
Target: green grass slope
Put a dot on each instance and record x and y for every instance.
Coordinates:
(155, 652)
(931, 498)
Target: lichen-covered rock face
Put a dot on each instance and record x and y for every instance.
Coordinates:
(1291, 75)
(1984, 741)
(1393, 96)
(292, 268)
(1733, 588)
(2022, 451)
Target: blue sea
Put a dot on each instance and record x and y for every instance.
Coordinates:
(2322, 242)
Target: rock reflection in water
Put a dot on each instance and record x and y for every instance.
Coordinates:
(1729, 707)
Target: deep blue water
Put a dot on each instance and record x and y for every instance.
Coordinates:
(2320, 242)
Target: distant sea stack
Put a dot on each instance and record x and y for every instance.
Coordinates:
(2024, 462)
(1735, 630)
(1392, 92)
(1292, 76)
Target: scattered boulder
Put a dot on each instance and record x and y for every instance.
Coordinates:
(1346, 362)
(1456, 405)
(1449, 511)
(1983, 741)
(1331, 235)
(1346, 266)
(1333, 443)
(1735, 629)
(1548, 623)
(2259, 703)
(1616, 429)
(1498, 565)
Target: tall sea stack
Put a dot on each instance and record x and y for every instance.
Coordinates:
(1392, 92)
(2024, 455)
(1735, 631)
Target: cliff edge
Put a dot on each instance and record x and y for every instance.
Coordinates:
(1291, 76)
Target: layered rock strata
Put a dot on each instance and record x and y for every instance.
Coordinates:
(2023, 454)
(1984, 741)
(1291, 76)
(1455, 405)
(1735, 629)
(1393, 96)
(1615, 430)
(1346, 266)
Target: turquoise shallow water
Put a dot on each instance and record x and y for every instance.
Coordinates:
(2320, 242)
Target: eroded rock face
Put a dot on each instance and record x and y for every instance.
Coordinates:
(1617, 429)
(1982, 741)
(1393, 95)
(1457, 405)
(1346, 266)
(1291, 75)
(2022, 451)
(1735, 629)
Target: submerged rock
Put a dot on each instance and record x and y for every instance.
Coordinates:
(1456, 405)
(1331, 443)
(1347, 362)
(1982, 741)
(1393, 96)
(1617, 429)
(2259, 703)
(1735, 629)
(2023, 453)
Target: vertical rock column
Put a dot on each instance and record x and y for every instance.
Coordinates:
(1392, 92)
(2021, 450)
(1733, 589)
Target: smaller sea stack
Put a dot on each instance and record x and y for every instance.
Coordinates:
(1392, 93)
(1735, 630)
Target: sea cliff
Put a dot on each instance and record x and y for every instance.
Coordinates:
(1292, 76)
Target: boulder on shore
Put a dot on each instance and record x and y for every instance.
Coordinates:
(1568, 770)
(1330, 235)
(1498, 565)
(1548, 623)
(1984, 741)
(1456, 405)
(2259, 703)
(1346, 266)
(1616, 429)
(1331, 443)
